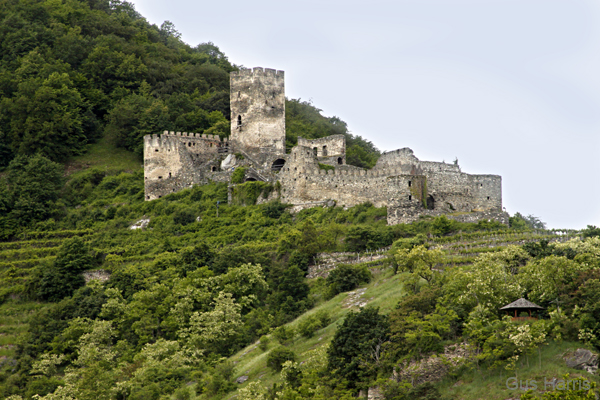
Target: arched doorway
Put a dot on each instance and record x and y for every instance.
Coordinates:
(340, 161)
(277, 165)
(430, 202)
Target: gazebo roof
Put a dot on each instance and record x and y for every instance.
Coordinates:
(521, 304)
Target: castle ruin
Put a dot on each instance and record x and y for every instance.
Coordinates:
(407, 186)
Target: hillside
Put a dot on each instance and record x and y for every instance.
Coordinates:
(156, 285)
(106, 296)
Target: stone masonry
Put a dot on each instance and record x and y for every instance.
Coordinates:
(407, 186)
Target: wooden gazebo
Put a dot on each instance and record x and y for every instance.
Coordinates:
(520, 306)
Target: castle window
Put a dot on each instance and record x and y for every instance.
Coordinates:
(155, 149)
(169, 174)
(340, 160)
(324, 151)
(238, 94)
(488, 197)
(189, 144)
(409, 197)
(213, 169)
(314, 151)
(160, 177)
(239, 121)
(481, 184)
(211, 145)
(409, 183)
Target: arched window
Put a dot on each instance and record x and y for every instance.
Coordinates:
(324, 151)
(340, 161)
(277, 165)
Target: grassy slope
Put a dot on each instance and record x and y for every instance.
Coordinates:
(104, 154)
(385, 290)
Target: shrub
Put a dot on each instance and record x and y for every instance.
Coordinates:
(183, 217)
(346, 277)
(284, 334)
(309, 326)
(278, 356)
(273, 209)
(238, 175)
(264, 342)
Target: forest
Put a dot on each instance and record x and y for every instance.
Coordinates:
(106, 296)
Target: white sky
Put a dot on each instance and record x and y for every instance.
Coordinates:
(509, 87)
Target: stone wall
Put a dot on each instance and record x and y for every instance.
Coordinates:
(175, 161)
(258, 110)
(406, 215)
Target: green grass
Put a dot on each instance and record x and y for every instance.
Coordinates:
(472, 384)
(105, 154)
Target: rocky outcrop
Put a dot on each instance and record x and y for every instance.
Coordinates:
(435, 367)
(582, 359)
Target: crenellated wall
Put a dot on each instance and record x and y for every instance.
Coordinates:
(176, 160)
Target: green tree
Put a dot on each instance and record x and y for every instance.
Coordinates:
(33, 185)
(357, 346)
(278, 356)
(64, 276)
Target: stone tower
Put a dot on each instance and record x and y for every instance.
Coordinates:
(258, 111)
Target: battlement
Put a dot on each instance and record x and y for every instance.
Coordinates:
(258, 71)
(172, 139)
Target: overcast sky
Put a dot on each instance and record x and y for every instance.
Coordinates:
(507, 87)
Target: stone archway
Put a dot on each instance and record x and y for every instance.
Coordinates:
(430, 202)
(277, 165)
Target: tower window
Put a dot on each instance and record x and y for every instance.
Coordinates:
(156, 150)
(314, 151)
(488, 197)
(169, 174)
(239, 121)
(324, 151)
(409, 183)
(189, 144)
(409, 197)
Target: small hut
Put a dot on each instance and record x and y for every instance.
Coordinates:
(519, 306)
